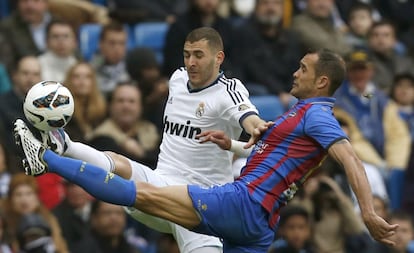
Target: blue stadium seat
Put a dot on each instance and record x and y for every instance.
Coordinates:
(89, 39)
(100, 2)
(4, 8)
(269, 106)
(151, 35)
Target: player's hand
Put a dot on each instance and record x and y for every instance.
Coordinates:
(215, 136)
(380, 230)
(257, 133)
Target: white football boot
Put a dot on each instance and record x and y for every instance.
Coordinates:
(32, 148)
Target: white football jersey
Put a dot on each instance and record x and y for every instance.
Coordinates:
(219, 106)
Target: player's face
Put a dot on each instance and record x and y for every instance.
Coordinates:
(304, 78)
(202, 63)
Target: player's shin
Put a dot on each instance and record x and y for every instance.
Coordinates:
(99, 183)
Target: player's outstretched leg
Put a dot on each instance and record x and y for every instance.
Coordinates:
(101, 184)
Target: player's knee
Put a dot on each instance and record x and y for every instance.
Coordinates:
(121, 164)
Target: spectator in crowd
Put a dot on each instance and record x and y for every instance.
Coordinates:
(34, 235)
(73, 214)
(125, 131)
(90, 104)
(26, 74)
(4, 237)
(268, 52)
(146, 11)
(60, 53)
(334, 220)
(388, 62)
(317, 29)
(106, 235)
(378, 119)
(360, 21)
(25, 29)
(110, 62)
(23, 200)
(294, 231)
(143, 68)
(402, 93)
(200, 13)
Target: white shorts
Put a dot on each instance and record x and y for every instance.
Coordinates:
(186, 240)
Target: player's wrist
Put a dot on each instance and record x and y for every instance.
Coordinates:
(237, 147)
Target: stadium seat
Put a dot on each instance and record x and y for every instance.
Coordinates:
(89, 39)
(100, 2)
(4, 8)
(269, 106)
(151, 35)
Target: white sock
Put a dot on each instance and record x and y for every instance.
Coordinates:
(80, 151)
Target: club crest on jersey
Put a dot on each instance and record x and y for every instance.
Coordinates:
(200, 110)
(260, 147)
(243, 107)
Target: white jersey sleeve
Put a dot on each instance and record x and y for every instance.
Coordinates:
(219, 106)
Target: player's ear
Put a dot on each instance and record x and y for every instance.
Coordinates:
(220, 57)
(322, 82)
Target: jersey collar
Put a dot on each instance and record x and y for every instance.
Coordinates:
(319, 100)
(221, 73)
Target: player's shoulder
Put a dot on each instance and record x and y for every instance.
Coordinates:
(231, 84)
(179, 75)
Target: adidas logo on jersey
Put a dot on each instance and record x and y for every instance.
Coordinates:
(186, 131)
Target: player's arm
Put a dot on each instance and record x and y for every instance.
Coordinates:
(254, 126)
(224, 142)
(343, 152)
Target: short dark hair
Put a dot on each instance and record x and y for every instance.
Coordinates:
(397, 78)
(113, 26)
(402, 215)
(292, 210)
(58, 22)
(210, 34)
(332, 65)
(360, 6)
(382, 22)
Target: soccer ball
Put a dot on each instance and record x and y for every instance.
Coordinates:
(48, 105)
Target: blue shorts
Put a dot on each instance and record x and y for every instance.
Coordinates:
(230, 213)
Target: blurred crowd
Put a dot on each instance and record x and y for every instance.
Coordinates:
(121, 90)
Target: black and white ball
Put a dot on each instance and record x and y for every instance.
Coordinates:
(48, 105)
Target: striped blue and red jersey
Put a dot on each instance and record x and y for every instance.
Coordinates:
(289, 151)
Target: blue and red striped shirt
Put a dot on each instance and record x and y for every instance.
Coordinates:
(289, 152)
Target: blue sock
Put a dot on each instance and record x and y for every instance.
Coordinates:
(99, 183)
